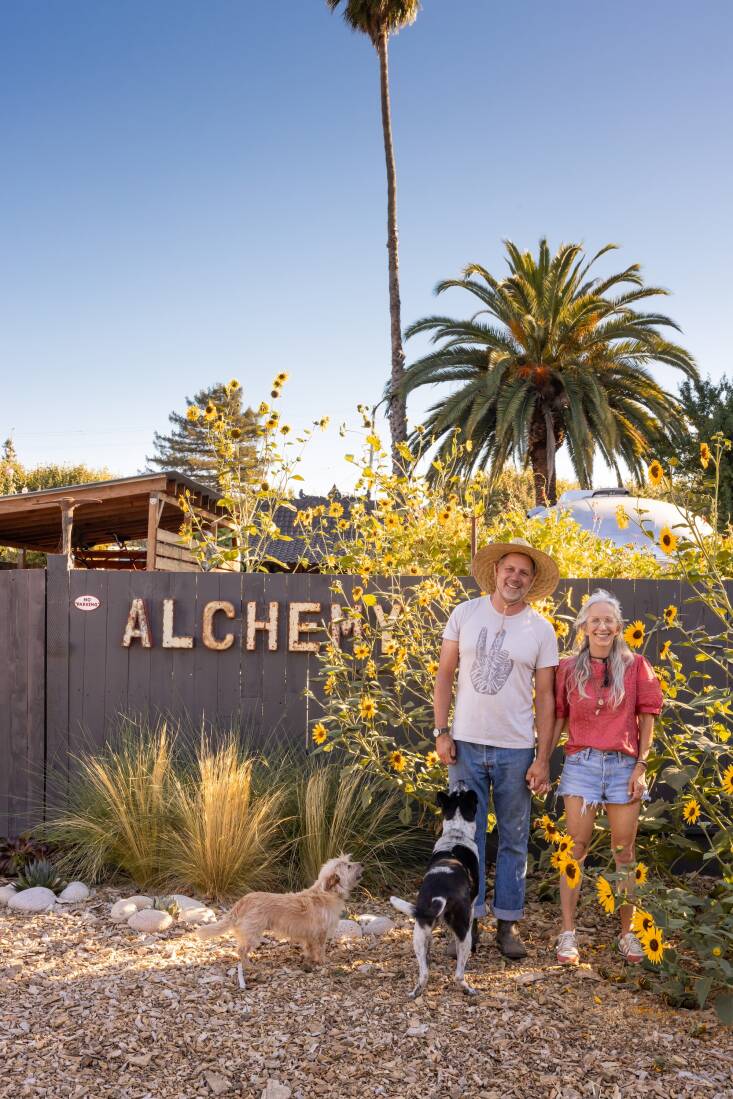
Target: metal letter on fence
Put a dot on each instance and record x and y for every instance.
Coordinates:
(137, 625)
(170, 641)
(270, 625)
(210, 640)
(296, 627)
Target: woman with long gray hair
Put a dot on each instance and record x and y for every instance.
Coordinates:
(606, 697)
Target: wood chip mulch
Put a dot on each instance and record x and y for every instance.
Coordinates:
(93, 1009)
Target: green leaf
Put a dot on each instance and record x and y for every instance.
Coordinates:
(406, 814)
(677, 777)
(723, 1005)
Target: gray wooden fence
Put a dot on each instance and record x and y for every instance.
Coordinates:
(66, 677)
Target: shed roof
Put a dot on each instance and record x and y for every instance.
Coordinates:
(104, 511)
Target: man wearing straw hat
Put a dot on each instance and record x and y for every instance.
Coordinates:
(501, 647)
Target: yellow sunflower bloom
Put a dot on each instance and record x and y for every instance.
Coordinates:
(634, 635)
(367, 708)
(552, 832)
(210, 412)
(670, 615)
(319, 733)
(361, 651)
(691, 811)
(558, 859)
(727, 780)
(571, 873)
(397, 761)
(622, 518)
(432, 667)
(654, 946)
(193, 413)
(705, 455)
(664, 651)
(605, 896)
(232, 386)
(444, 516)
(641, 873)
(330, 685)
(336, 510)
(356, 594)
(716, 951)
(565, 846)
(432, 759)
(668, 540)
(370, 669)
(642, 923)
(655, 472)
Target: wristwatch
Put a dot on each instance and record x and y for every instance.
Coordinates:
(439, 732)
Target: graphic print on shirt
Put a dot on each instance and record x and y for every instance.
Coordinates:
(490, 670)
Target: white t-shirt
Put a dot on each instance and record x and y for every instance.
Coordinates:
(498, 656)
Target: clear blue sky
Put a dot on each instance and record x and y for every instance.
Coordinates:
(193, 190)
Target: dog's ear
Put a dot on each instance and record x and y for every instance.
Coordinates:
(331, 882)
(442, 799)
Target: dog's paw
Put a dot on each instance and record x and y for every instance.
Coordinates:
(466, 989)
(416, 992)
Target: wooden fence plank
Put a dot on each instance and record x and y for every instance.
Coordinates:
(57, 677)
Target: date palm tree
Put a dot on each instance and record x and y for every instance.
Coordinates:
(378, 19)
(554, 356)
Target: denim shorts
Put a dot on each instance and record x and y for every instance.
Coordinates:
(597, 777)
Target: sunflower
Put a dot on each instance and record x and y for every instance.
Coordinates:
(389, 647)
(705, 455)
(727, 780)
(571, 873)
(232, 386)
(561, 628)
(654, 946)
(622, 518)
(392, 521)
(193, 412)
(397, 761)
(432, 667)
(664, 651)
(432, 759)
(210, 412)
(667, 540)
(370, 669)
(634, 634)
(670, 615)
(444, 516)
(565, 846)
(716, 951)
(319, 733)
(356, 594)
(330, 685)
(641, 873)
(605, 896)
(367, 708)
(642, 923)
(655, 472)
(691, 811)
(551, 830)
(558, 860)
(361, 651)
(336, 510)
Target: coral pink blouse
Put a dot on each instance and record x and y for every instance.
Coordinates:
(594, 723)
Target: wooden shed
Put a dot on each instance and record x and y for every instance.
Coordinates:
(131, 523)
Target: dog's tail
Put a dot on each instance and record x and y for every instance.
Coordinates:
(402, 906)
(211, 930)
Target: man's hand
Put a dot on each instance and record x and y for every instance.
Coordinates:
(445, 746)
(637, 783)
(538, 777)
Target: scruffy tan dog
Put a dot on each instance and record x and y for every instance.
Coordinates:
(308, 917)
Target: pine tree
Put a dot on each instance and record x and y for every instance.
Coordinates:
(187, 450)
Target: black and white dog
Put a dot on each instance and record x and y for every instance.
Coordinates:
(449, 887)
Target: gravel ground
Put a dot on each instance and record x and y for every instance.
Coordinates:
(93, 1009)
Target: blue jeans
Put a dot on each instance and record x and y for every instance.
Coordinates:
(482, 766)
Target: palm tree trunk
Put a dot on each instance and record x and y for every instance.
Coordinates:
(542, 459)
(397, 406)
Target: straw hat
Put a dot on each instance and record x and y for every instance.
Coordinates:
(546, 576)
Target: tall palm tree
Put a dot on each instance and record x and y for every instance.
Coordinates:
(379, 19)
(562, 357)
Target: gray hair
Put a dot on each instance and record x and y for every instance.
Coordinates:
(619, 657)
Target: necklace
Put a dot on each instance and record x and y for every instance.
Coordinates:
(601, 701)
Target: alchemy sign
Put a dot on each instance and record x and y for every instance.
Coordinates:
(216, 615)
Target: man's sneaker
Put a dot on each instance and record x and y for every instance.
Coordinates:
(509, 940)
(630, 948)
(567, 948)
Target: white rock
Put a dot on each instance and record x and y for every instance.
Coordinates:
(375, 925)
(276, 1090)
(140, 901)
(347, 929)
(184, 902)
(150, 919)
(121, 911)
(6, 892)
(37, 899)
(75, 891)
(200, 914)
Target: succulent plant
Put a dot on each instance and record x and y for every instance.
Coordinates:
(16, 852)
(167, 904)
(39, 872)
